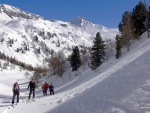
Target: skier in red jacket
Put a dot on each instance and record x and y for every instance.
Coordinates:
(45, 87)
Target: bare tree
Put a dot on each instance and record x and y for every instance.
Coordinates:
(37, 77)
(109, 48)
(62, 60)
(57, 61)
(26, 74)
(54, 62)
(127, 30)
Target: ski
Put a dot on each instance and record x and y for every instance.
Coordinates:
(29, 101)
(8, 109)
(12, 105)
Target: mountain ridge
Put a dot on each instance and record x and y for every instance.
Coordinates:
(16, 12)
(41, 36)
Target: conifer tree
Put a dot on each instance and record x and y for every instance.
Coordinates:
(75, 59)
(97, 52)
(118, 47)
(139, 17)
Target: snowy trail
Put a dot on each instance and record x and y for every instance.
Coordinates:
(76, 82)
(54, 101)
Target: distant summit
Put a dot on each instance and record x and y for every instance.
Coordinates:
(79, 21)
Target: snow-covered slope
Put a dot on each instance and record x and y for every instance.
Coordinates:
(31, 38)
(122, 86)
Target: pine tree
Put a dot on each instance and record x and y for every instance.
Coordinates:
(75, 59)
(120, 26)
(118, 47)
(139, 17)
(97, 52)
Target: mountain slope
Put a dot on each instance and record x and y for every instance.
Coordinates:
(122, 87)
(31, 38)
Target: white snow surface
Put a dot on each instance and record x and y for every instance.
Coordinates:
(120, 86)
(23, 28)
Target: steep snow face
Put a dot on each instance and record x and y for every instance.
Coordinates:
(29, 37)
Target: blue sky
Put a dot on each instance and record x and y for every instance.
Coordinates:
(104, 12)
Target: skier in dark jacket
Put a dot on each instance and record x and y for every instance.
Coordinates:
(32, 86)
(51, 88)
(16, 90)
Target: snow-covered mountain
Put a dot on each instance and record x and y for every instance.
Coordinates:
(30, 38)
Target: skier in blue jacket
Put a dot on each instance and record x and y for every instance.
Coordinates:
(51, 88)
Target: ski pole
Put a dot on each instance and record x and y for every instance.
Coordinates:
(38, 93)
(9, 99)
(25, 95)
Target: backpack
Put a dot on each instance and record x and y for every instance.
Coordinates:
(16, 87)
(46, 86)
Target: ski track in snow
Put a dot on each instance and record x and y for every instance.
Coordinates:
(54, 101)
